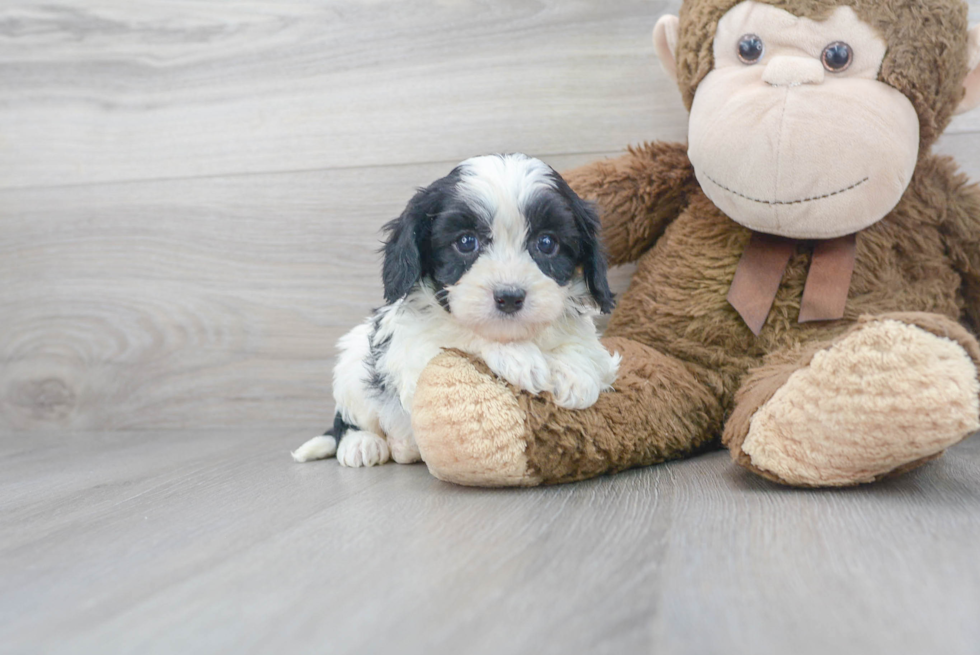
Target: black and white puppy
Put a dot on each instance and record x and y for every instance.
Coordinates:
(500, 259)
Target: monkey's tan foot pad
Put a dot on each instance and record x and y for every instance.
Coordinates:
(468, 425)
(887, 396)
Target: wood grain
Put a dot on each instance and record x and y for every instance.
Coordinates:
(191, 193)
(190, 198)
(190, 303)
(203, 542)
(97, 91)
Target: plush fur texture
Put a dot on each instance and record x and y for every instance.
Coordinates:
(476, 430)
(765, 381)
(686, 353)
(677, 300)
(693, 372)
(493, 410)
(866, 405)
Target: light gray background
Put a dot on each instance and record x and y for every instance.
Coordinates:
(190, 198)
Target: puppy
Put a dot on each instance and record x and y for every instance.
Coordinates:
(500, 259)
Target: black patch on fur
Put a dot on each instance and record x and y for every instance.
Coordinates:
(575, 223)
(339, 429)
(442, 295)
(407, 256)
(377, 348)
(457, 218)
(548, 213)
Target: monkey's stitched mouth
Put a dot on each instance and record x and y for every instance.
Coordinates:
(786, 202)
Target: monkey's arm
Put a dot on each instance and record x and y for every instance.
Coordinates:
(637, 195)
(961, 231)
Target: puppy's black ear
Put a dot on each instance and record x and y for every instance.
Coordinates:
(593, 256)
(402, 268)
(406, 246)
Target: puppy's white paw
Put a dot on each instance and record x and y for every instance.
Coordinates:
(404, 451)
(359, 448)
(574, 387)
(521, 364)
(316, 448)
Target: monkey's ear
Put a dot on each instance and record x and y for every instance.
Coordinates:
(665, 43)
(972, 83)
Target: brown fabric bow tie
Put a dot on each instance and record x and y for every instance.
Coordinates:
(761, 270)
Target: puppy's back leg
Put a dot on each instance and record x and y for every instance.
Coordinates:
(357, 409)
(397, 426)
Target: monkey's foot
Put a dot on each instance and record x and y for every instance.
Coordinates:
(468, 425)
(884, 398)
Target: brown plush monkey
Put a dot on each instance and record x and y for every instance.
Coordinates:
(804, 263)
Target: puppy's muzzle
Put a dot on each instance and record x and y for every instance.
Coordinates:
(509, 300)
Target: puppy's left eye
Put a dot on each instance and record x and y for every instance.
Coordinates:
(467, 243)
(547, 245)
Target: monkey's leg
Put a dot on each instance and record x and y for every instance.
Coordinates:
(891, 393)
(474, 429)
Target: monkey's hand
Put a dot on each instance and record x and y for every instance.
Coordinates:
(638, 195)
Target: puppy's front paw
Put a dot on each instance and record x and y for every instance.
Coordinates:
(359, 448)
(404, 451)
(521, 364)
(574, 387)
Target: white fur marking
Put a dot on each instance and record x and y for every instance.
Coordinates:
(473, 304)
(504, 185)
(359, 448)
(316, 448)
(520, 363)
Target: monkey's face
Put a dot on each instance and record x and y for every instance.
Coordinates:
(792, 134)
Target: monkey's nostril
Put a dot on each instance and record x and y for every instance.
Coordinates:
(509, 301)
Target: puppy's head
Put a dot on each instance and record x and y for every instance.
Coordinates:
(506, 243)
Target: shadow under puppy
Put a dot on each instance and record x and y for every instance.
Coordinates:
(499, 259)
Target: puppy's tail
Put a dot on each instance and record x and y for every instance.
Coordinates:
(316, 448)
(323, 446)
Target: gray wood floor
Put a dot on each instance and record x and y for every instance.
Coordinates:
(190, 198)
(205, 542)
(191, 190)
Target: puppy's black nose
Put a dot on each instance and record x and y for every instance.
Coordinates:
(509, 301)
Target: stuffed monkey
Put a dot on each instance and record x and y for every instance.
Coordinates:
(808, 272)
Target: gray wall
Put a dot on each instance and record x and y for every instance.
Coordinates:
(191, 191)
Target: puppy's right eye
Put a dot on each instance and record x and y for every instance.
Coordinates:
(467, 244)
(547, 245)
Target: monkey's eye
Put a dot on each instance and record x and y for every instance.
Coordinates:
(466, 243)
(837, 57)
(547, 245)
(750, 49)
